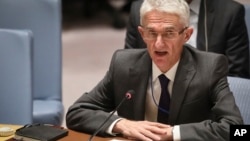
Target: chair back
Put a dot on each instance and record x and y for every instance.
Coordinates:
(241, 91)
(16, 104)
(43, 18)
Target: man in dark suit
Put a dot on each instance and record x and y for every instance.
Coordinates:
(225, 32)
(201, 106)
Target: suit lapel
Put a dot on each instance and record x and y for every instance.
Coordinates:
(138, 79)
(184, 75)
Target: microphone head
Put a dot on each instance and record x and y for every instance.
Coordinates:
(129, 94)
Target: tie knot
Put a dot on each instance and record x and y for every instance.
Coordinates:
(163, 80)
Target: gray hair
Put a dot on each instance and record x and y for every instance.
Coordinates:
(179, 7)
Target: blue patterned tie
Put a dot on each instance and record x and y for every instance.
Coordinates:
(163, 108)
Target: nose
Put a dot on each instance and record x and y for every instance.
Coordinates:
(159, 42)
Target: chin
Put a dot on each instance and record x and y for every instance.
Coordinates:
(161, 65)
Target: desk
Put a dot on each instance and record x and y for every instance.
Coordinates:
(72, 136)
(76, 136)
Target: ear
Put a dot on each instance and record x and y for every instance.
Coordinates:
(188, 33)
(140, 29)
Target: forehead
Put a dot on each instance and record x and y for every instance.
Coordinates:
(160, 19)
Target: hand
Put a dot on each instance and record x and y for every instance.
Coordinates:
(143, 130)
(168, 136)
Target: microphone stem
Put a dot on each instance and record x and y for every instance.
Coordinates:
(101, 126)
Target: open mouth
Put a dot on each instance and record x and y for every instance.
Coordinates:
(160, 53)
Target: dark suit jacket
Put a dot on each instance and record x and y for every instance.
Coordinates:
(226, 27)
(201, 102)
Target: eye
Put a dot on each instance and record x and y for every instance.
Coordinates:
(152, 33)
(169, 34)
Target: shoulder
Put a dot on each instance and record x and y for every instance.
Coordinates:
(130, 52)
(125, 59)
(229, 5)
(206, 62)
(203, 57)
(130, 55)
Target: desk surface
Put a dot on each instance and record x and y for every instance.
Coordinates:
(76, 136)
(72, 136)
(11, 126)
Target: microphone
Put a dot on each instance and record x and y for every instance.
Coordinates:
(128, 96)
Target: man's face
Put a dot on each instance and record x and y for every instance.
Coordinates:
(164, 36)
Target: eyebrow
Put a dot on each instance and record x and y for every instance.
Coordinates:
(170, 28)
(165, 29)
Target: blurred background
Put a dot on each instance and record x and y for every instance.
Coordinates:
(92, 31)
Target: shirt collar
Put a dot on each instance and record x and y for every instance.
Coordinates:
(170, 74)
(195, 6)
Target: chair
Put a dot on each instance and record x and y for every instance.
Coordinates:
(43, 18)
(241, 91)
(16, 103)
